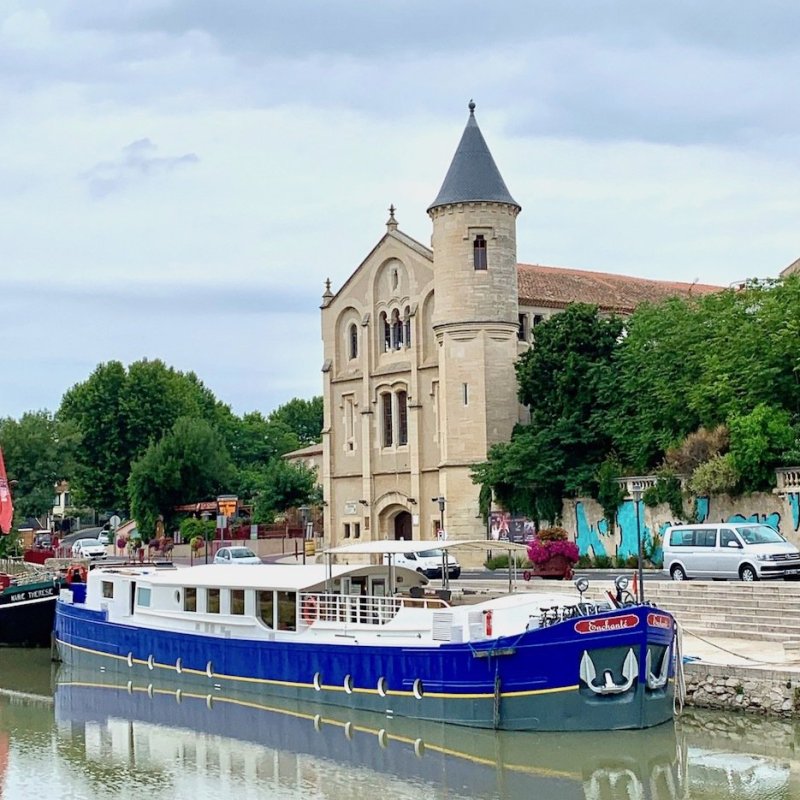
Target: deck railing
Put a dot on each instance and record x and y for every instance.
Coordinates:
(351, 609)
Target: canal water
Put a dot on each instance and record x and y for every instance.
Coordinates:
(74, 735)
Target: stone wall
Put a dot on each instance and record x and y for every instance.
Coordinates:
(760, 691)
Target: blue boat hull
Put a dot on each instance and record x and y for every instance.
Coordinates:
(526, 682)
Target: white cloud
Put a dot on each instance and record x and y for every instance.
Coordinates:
(244, 154)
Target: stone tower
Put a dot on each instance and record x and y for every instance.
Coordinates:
(475, 321)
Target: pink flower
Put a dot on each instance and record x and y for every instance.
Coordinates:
(541, 552)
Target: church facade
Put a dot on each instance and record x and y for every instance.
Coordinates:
(420, 345)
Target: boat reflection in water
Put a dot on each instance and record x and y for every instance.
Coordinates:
(250, 740)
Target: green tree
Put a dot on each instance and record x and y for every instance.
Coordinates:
(38, 451)
(304, 418)
(285, 485)
(120, 413)
(188, 464)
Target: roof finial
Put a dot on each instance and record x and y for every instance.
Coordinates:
(391, 223)
(471, 107)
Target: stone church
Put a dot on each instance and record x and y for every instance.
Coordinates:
(419, 351)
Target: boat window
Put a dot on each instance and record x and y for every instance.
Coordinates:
(212, 601)
(237, 601)
(143, 597)
(190, 599)
(108, 589)
(266, 607)
(287, 611)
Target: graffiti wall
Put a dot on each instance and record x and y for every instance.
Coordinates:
(595, 537)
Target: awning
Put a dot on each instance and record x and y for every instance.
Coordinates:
(382, 546)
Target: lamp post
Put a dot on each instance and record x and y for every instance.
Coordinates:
(304, 522)
(636, 493)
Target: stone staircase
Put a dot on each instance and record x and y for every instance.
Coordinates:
(767, 611)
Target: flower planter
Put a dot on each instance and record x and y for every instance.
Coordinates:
(557, 567)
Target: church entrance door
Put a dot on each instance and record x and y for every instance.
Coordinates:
(402, 525)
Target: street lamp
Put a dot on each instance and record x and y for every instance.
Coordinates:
(636, 493)
(441, 501)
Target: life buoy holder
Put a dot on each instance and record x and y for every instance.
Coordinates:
(308, 611)
(76, 573)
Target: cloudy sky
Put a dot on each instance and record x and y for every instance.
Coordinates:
(179, 177)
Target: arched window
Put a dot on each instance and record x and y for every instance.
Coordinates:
(386, 332)
(353, 340)
(407, 326)
(402, 418)
(479, 252)
(397, 330)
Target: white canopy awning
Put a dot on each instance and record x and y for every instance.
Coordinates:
(382, 546)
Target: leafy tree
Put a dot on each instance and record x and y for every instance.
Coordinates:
(758, 441)
(562, 380)
(718, 475)
(304, 418)
(119, 413)
(38, 451)
(190, 463)
(285, 485)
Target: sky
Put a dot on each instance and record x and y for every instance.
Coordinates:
(179, 177)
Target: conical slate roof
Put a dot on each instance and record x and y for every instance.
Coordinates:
(473, 175)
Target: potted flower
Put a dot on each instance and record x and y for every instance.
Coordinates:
(552, 554)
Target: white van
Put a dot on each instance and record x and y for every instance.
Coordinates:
(428, 562)
(746, 551)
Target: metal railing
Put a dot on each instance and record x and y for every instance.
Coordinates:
(354, 609)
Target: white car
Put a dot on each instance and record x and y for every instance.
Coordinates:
(236, 555)
(88, 548)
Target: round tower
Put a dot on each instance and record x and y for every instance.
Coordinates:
(476, 320)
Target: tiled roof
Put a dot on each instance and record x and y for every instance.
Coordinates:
(557, 287)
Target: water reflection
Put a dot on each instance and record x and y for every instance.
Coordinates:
(84, 735)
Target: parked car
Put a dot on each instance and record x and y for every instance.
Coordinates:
(427, 562)
(236, 555)
(106, 537)
(88, 548)
(746, 551)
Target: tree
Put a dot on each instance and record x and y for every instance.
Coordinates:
(562, 380)
(302, 417)
(39, 451)
(285, 485)
(120, 413)
(188, 464)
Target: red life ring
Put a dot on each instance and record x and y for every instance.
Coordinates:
(308, 611)
(76, 573)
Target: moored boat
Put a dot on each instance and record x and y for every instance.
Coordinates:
(27, 608)
(357, 636)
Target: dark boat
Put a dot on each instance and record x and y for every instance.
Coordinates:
(27, 609)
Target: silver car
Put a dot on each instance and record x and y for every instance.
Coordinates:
(747, 551)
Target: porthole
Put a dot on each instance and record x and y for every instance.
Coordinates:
(150, 661)
(178, 665)
(419, 748)
(348, 730)
(209, 701)
(317, 682)
(382, 691)
(178, 596)
(150, 690)
(383, 738)
(130, 659)
(418, 689)
(348, 684)
(317, 723)
(210, 670)
(130, 687)
(178, 695)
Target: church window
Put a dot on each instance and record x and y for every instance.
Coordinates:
(349, 422)
(387, 333)
(356, 530)
(402, 418)
(346, 530)
(397, 330)
(386, 400)
(479, 252)
(394, 278)
(465, 389)
(353, 341)
(522, 333)
(407, 327)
